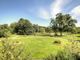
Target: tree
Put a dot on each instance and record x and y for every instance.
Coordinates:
(63, 23)
(60, 22)
(69, 24)
(36, 28)
(12, 27)
(23, 27)
(5, 26)
(48, 29)
(54, 26)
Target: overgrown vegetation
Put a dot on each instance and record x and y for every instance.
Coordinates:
(41, 43)
(10, 50)
(4, 30)
(71, 51)
(61, 23)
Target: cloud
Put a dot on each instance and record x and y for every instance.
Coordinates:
(43, 13)
(57, 6)
(75, 12)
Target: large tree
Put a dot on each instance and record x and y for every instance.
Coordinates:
(62, 22)
(23, 27)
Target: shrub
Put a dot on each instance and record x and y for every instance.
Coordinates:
(78, 30)
(4, 32)
(57, 42)
(10, 51)
(74, 49)
(61, 55)
(42, 30)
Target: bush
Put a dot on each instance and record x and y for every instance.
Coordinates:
(78, 30)
(10, 51)
(4, 32)
(13, 50)
(42, 30)
(57, 42)
(74, 49)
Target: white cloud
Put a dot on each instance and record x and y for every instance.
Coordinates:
(43, 13)
(75, 12)
(57, 6)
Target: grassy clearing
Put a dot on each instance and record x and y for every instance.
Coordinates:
(42, 46)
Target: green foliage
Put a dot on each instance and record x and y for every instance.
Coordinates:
(48, 30)
(70, 52)
(78, 30)
(74, 48)
(12, 27)
(10, 51)
(36, 28)
(63, 23)
(61, 55)
(4, 30)
(54, 26)
(41, 29)
(22, 27)
(42, 46)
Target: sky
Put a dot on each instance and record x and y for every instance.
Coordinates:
(37, 11)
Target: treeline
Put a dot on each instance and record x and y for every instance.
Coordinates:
(22, 27)
(61, 23)
(25, 27)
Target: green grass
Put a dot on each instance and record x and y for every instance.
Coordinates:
(42, 46)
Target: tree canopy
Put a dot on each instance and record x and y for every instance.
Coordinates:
(63, 22)
(23, 27)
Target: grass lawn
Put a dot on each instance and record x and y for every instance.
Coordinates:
(42, 46)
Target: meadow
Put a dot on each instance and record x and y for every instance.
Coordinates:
(40, 47)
